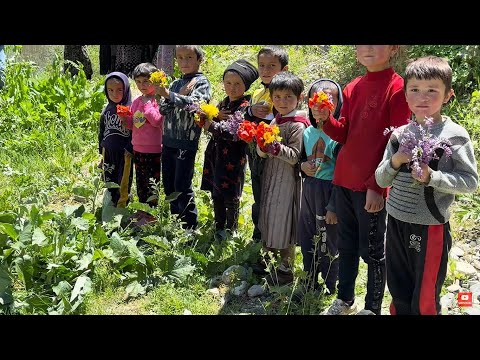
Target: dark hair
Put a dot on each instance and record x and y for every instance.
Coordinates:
(276, 51)
(322, 85)
(197, 48)
(429, 67)
(144, 69)
(286, 80)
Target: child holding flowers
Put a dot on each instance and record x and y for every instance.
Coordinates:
(281, 182)
(371, 103)
(181, 132)
(270, 61)
(225, 156)
(318, 217)
(114, 140)
(147, 129)
(418, 205)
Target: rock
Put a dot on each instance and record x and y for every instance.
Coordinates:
(474, 310)
(214, 291)
(187, 312)
(465, 268)
(240, 289)
(476, 264)
(234, 273)
(447, 300)
(214, 282)
(256, 290)
(457, 251)
(453, 288)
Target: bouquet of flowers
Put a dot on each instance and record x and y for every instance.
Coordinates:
(232, 124)
(123, 111)
(202, 112)
(421, 145)
(159, 78)
(247, 131)
(267, 138)
(321, 99)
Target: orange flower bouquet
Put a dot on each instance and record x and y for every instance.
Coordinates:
(268, 139)
(123, 111)
(321, 99)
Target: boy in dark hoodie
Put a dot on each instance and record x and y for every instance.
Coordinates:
(115, 141)
(317, 230)
(181, 133)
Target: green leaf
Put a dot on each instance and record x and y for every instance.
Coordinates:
(83, 285)
(99, 235)
(134, 289)
(26, 234)
(63, 288)
(161, 242)
(84, 262)
(82, 191)
(77, 210)
(111, 185)
(118, 245)
(9, 230)
(182, 269)
(80, 223)
(7, 218)
(5, 288)
(172, 196)
(39, 237)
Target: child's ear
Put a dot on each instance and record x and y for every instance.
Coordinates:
(449, 95)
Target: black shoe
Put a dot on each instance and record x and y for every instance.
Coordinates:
(279, 277)
(259, 268)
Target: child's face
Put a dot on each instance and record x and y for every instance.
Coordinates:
(426, 97)
(375, 57)
(234, 86)
(145, 85)
(323, 113)
(115, 90)
(187, 60)
(268, 66)
(285, 101)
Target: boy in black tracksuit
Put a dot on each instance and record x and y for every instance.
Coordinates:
(181, 133)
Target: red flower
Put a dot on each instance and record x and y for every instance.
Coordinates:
(123, 111)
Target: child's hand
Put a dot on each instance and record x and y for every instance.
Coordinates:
(308, 168)
(426, 173)
(162, 91)
(223, 114)
(320, 114)
(260, 110)
(187, 88)
(260, 152)
(398, 159)
(331, 218)
(207, 124)
(374, 201)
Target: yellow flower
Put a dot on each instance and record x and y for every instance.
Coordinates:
(210, 111)
(275, 130)
(159, 78)
(268, 137)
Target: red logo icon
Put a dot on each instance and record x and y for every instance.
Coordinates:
(465, 299)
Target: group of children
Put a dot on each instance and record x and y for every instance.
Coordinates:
(324, 187)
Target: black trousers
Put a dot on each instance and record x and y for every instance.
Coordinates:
(360, 234)
(256, 164)
(416, 257)
(317, 240)
(177, 175)
(118, 169)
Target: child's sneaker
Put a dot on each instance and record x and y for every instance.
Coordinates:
(340, 307)
(365, 312)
